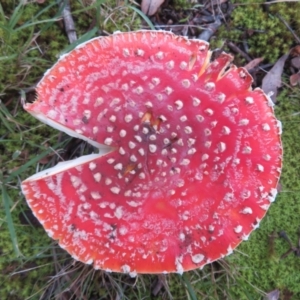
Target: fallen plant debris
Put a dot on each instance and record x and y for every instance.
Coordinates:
(150, 7)
(253, 63)
(293, 249)
(272, 81)
(273, 295)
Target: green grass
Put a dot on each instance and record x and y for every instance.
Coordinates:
(32, 265)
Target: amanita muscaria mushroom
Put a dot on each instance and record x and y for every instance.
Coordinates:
(190, 156)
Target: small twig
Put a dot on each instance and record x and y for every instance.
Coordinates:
(157, 286)
(236, 49)
(210, 30)
(289, 28)
(293, 249)
(68, 20)
(283, 235)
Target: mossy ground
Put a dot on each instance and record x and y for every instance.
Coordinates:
(261, 27)
(25, 54)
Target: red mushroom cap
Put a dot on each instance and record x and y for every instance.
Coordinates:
(191, 157)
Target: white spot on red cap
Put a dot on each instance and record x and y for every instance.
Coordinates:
(92, 166)
(209, 111)
(97, 177)
(125, 87)
(87, 113)
(221, 147)
(156, 81)
(76, 181)
(125, 269)
(196, 101)
(95, 129)
(95, 195)
(185, 162)
(205, 157)
(141, 151)
(266, 127)
(244, 122)
(119, 212)
(183, 65)
(145, 130)
(152, 148)
(200, 118)
(207, 132)
(140, 52)
(122, 151)
(247, 150)
(131, 145)
(126, 52)
(260, 168)
(186, 83)
(110, 161)
(139, 90)
(188, 129)
(118, 166)
(168, 90)
(179, 104)
(128, 118)
(115, 190)
(238, 229)
(249, 100)
(170, 64)
(112, 118)
(221, 98)
(133, 158)
(108, 181)
(192, 151)
(197, 258)
(138, 138)
(159, 55)
(226, 130)
(210, 86)
(247, 211)
(109, 129)
(108, 141)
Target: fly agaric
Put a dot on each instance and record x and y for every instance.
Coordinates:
(189, 161)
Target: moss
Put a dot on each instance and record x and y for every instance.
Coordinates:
(117, 16)
(182, 4)
(26, 50)
(261, 27)
(20, 278)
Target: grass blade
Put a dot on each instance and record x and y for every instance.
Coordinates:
(189, 287)
(147, 20)
(6, 202)
(33, 161)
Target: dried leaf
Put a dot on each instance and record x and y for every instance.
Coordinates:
(295, 79)
(295, 62)
(272, 81)
(274, 295)
(295, 51)
(46, 159)
(253, 63)
(150, 7)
